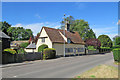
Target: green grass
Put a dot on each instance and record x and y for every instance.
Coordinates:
(101, 71)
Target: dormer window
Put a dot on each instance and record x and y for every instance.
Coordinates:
(68, 41)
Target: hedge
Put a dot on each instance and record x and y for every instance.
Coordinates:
(42, 47)
(49, 53)
(116, 54)
(10, 51)
(116, 46)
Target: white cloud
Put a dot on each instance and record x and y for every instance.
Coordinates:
(110, 31)
(17, 25)
(36, 27)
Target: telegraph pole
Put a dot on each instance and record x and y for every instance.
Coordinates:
(64, 34)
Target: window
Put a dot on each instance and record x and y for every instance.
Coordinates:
(68, 50)
(43, 39)
(68, 40)
(80, 49)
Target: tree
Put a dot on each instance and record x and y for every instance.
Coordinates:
(16, 33)
(19, 33)
(117, 40)
(81, 26)
(105, 41)
(4, 26)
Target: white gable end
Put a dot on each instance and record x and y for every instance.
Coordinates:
(46, 37)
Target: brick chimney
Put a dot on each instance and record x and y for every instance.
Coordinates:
(67, 26)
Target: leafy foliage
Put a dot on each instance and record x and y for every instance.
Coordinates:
(42, 47)
(21, 50)
(49, 53)
(93, 42)
(116, 46)
(80, 26)
(117, 40)
(116, 54)
(4, 26)
(16, 33)
(24, 45)
(10, 51)
(105, 41)
(91, 48)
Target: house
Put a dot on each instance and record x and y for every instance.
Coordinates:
(31, 47)
(55, 38)
(16, 44)
(4, 41)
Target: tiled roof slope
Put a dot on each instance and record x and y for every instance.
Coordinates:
(56, 37)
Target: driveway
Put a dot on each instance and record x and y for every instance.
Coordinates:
(64, 67)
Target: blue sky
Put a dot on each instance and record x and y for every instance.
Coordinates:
(101, 16)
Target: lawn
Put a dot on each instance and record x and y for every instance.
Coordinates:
(101, 71)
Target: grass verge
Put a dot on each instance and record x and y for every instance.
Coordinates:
(101, 71)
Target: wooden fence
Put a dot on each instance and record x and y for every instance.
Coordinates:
(10, 58)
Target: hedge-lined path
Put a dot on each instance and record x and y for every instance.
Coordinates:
(67, 67)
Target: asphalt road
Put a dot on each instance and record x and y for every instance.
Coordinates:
(67, 67)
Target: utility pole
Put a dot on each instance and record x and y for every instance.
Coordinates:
(64, 34)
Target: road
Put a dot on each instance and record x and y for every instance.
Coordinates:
(67, 67)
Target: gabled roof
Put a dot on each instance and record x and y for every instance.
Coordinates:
(3, 35)
(56, 37)
(31, 46)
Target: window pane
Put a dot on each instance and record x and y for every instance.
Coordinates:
(43, 39)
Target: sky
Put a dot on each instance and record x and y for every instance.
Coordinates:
(101, 16)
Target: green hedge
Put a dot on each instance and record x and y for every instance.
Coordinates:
(116, 54)
(116, 46)
(49, 53)
(42, 47)
(10, 51)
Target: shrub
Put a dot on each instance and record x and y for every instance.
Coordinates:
(42, 47)
(91, 48)
(24, 45)
(116, 46)
(10, 51)
(21, 50)
(49, 53)
(116, 54)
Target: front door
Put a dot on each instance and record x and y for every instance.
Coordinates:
(74, 51)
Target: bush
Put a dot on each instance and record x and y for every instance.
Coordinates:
(116, 54)
(116, 46)
(21, 50)
(42, 47)
(91, 48)
(10, 51)
(24, 45)
(49, 53)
